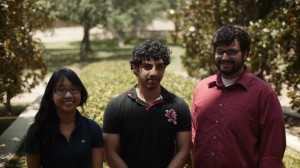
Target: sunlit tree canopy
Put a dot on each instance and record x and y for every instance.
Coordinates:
(274, 26)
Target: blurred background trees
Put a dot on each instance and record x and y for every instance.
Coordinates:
(131, 17)
(273, 24)
(21, 64)
(87, 13)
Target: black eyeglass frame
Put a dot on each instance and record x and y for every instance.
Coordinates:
(62, 91)
(229, 52)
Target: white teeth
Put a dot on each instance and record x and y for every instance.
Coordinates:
(68, 102)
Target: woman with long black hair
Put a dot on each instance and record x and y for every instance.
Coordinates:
(60, 136)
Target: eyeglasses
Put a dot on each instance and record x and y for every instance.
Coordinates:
(62, 91)
(230, 52)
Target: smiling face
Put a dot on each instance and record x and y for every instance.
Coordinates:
(230, 64)
(150, 73)
(67, 102)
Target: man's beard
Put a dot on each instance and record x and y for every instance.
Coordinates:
(236, 66)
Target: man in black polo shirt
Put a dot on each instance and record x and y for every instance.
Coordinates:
(147, 126)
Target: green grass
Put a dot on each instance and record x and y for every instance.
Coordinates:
(67, 54)
(17, 108)
(107, 74)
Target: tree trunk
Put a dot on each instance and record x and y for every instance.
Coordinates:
(85, 47)
(121, 38)
(7, 103)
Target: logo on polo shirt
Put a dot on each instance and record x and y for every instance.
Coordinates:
(171, 115)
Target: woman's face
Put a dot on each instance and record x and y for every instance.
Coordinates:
(66, 96)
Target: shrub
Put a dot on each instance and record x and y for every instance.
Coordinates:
(107, 79)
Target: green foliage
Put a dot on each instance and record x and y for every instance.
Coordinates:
(273, 25)
(276, 52)
(104, 81)
(22, 66)
(133, 16)
(91, 12)
(107, 79)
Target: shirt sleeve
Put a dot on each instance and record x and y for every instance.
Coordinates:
(111, 120)
(272, 131)
(184, 117)
(97, 140)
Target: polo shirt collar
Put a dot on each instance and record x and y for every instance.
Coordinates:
(163, 92)
(79, 121)
(244, 80)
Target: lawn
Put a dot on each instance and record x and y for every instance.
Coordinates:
(107, 73)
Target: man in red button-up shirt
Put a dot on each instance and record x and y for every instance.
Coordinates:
(237, 118)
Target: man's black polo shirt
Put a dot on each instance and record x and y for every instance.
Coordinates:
(147, 133)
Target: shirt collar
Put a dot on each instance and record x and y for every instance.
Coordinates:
(165, 94)
(244, 80)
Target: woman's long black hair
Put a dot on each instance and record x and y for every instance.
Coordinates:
(46, 121)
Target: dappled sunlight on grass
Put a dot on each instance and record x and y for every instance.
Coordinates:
(67, 54)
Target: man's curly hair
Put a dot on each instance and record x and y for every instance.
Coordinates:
(150, 49)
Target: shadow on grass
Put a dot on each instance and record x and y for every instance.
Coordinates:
(16, 109)
(67, 54)
(55, 58)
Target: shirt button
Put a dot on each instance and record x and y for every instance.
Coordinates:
(215, 137)
(213, 154)
(220, 105)
(217, 121)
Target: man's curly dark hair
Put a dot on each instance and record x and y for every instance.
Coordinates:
(150, 49)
